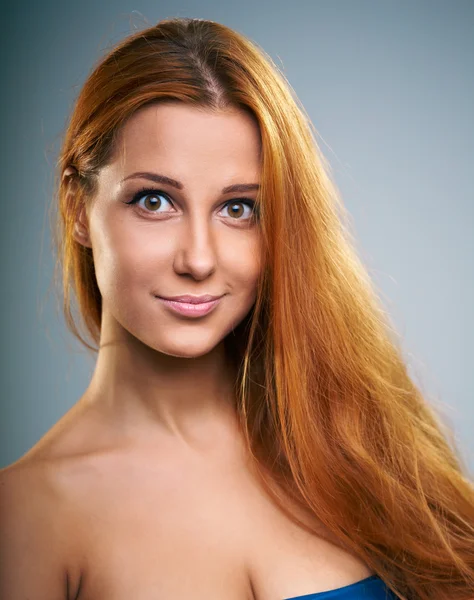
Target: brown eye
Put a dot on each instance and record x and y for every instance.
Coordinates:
(236, 209)
(150, 200)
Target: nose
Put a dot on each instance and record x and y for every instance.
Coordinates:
(196, 248)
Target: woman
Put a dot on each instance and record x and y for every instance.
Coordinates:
(260, 439)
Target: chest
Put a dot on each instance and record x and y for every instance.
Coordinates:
(205, 531)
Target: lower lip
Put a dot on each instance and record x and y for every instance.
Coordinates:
(191, 310)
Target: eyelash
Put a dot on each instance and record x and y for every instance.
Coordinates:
(156, 192)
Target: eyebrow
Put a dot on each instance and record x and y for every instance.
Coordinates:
(157, 178)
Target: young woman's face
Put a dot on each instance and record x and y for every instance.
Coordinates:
(163, 224)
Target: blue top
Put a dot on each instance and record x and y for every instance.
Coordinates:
(370, 588)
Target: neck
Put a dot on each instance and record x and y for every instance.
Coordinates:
(143, 390)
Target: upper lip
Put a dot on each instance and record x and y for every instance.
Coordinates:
(191, 299)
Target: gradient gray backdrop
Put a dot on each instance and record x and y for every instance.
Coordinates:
(389, 85)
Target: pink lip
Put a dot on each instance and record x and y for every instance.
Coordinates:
(191, 309)
(191, 299)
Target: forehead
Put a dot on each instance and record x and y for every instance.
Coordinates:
(183, 136)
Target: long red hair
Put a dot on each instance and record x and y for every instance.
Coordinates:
(327, 407)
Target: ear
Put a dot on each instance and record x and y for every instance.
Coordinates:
(81, 228)
(81, 224)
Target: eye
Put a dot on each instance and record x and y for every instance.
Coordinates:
(236, 210)
(152, 199)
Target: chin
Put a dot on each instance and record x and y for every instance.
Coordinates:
(191, 348)
(186, 354)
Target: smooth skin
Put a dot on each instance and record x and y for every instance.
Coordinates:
(143, 489)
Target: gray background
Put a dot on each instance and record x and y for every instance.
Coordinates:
(389, 85)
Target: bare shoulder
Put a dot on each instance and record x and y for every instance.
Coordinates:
(39, 526)
(36, 534)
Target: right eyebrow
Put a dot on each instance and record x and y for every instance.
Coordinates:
(158, 178)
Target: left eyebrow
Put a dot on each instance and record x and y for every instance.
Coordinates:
(157, 178)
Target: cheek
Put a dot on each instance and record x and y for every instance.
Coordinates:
(127, 257)
(241, 261)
